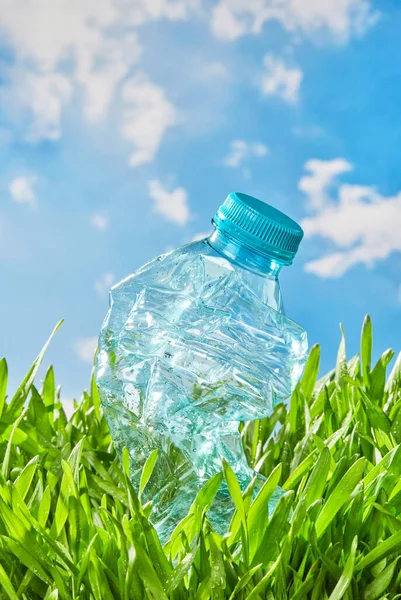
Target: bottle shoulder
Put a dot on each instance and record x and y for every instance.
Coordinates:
(198, 270)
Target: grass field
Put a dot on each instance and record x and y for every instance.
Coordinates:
(71, 526)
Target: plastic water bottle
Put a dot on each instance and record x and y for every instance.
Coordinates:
(193, 343)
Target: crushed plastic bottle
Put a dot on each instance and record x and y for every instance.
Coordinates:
(193, 343)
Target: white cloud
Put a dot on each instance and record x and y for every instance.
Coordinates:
(99, 221)
(141, 11)
(47, 33)
(200, 236)
(99, 73)
(339, 18)
(280, 80)
(362, 225)
(240, 151)
(22, 189)
(85, 349)
(36, 101)
(104, 283)
(229, 22)
(173, 205)
(322, 174)
(147, 115)
(89, 47)
(43, 36)
(83, 50)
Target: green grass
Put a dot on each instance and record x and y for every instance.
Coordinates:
(71, 526)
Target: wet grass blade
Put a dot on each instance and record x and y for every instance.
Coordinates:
(340, 495)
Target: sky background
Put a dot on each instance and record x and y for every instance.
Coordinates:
(125, 123)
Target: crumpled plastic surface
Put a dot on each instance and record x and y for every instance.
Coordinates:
(188, 350)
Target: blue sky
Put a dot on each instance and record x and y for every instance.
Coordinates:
(123, 126)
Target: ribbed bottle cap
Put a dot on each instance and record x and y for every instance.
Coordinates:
(259, 226)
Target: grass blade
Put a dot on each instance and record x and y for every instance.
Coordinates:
(366, 349)
(274, 531)
(379, 585)
(7, 585)
(3, 383)
(346, 576)
(340, 495)
(390, 545)
(21, 394)
(148, 470)
(310, 373)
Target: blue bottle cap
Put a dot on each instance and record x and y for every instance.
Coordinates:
(259, 226)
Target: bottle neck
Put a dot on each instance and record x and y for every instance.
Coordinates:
(243, 256)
